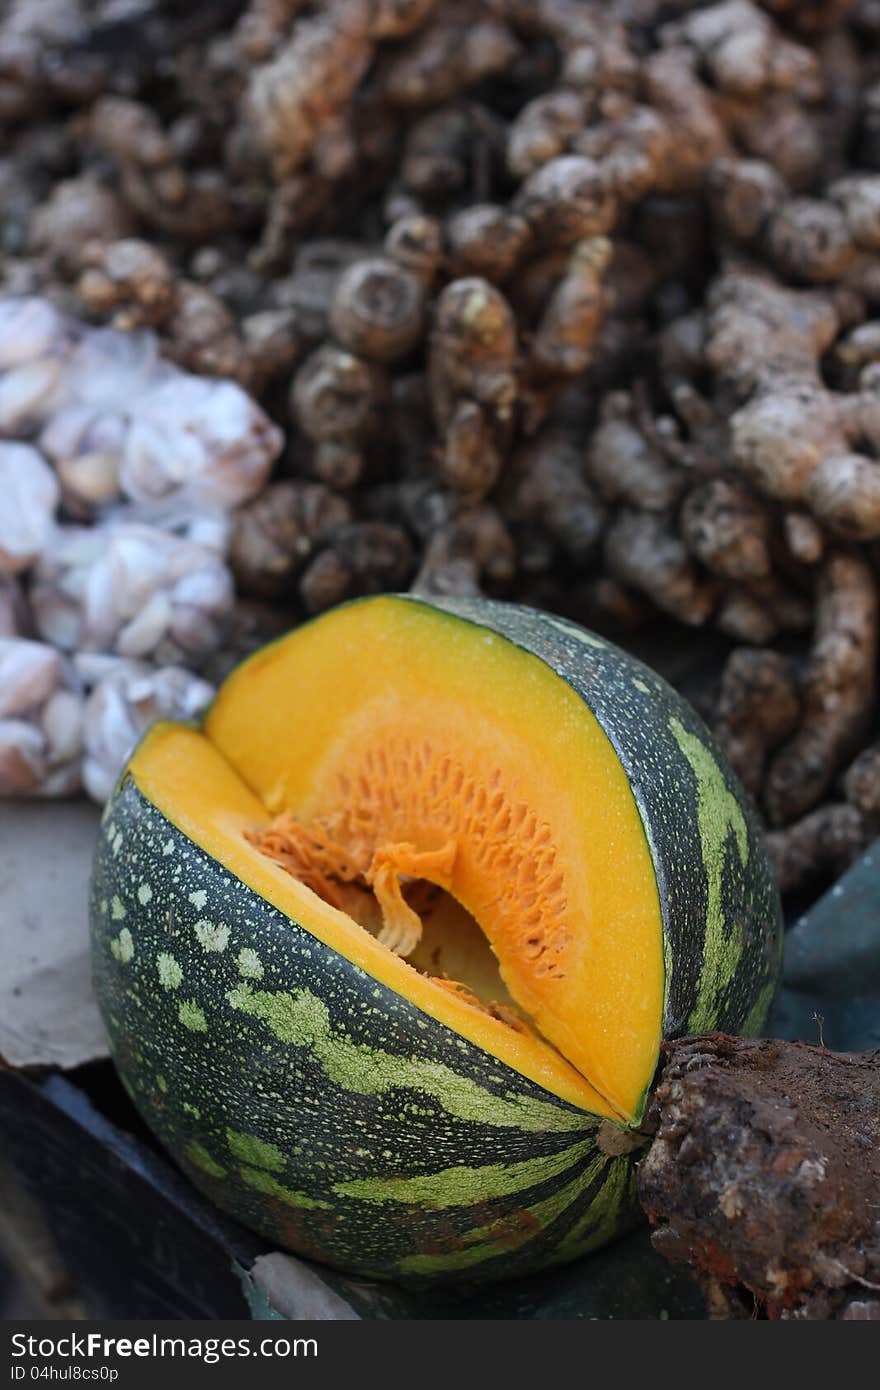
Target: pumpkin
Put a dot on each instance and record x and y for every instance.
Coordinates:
(388, 947)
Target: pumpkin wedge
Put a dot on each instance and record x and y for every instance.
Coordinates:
(387, 948)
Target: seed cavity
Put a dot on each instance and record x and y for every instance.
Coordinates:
(402, 823)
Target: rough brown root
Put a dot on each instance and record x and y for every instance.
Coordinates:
(473, 349)
(308, 83)
(566, 200)
(363, 557)
(844, 491)
(764, 1173)
(470, 461)
(195, 205)
(565, 336)
(275, 536)
(467, 554)
(758, 708)
(757, 612)
(641, 551)
(542, 130)
(377, 309)
(416, 243)
(625, 465)
(336, 398)
(819, 847)
(464, 44)
(78, 211)
(485, 239)
(129, 281)
(838, 689)
(862, 784)
(545, 489)
(726, 527)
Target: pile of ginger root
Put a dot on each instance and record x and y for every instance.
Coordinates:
(568, 303)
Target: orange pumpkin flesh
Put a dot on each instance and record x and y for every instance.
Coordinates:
(416, 745)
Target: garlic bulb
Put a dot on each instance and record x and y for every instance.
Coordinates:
(133, 604)
(133, 590)
(105, 375)
(118, 421)
(34, 340)
(41, 721)
(30, 328)
(122, 706)
(85, 445)
(30, 496)
(198, 437)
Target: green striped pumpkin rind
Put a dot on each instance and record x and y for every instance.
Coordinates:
(327, 1111)
(367, 1135)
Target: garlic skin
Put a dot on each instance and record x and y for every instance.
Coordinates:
(41, 721)
(30, 328)
(29, 673)
(85, 446)
(143, 597)
(30, 495)
(133, 590)
(34, 341)
(105, 375)
(117, 421)
(122, 706)
(201, 439)
(28, 395)
(23, 766)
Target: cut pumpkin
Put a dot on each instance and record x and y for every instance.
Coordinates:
(509, 838)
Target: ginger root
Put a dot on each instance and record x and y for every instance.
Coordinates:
(377, 309)
(837, 688)
(274, 536)
(813, 851)
(759, 707)
(336, 399)
(473, 382)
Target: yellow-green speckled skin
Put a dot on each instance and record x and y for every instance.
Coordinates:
(329, 1113)
(312, 1102)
